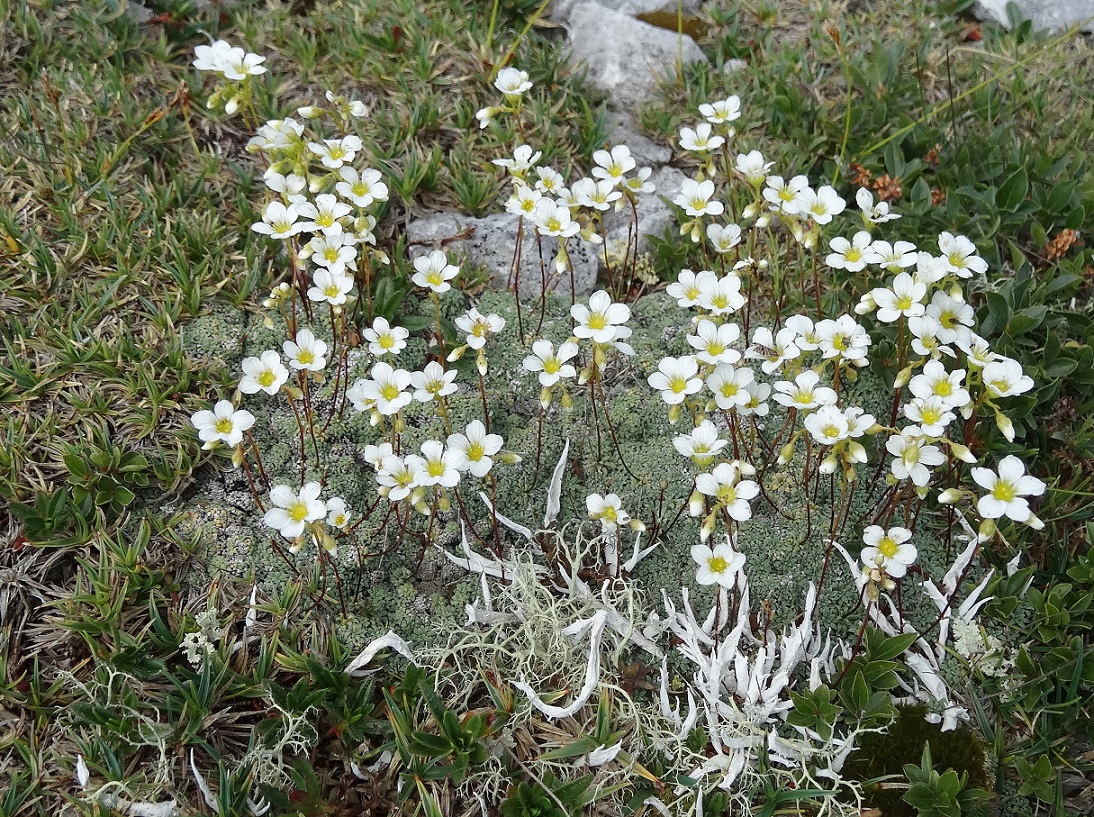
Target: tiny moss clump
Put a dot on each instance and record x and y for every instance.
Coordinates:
(878, 754)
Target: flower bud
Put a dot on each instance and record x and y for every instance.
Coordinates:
(398, 423)
(828, 464)
(444, 503)
(902, 378)
(637, 525)
(708, 526)
(750, 211)
(674, 414)
(309, 112)
(987, 530)
(294, 392)
(238, 456)
(956, 293)
(963, 453)
(1035, 522)
(763, 222)
(297, 544)
(1005, 425)
(545, 398)
(232, 105)
(457, 353)
(509, 458)
(951, 496)
(787, 453)
(695, 504)
(567, 401)
(481, 363)
(866, 304)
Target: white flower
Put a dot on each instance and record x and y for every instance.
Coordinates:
(925, 340)
(757, 399)
(930, 269)
(843, 338)
(720, 296)
(874, 213)
(374, 454)
(978, 353)
(725, 238)
(827, 424)
(639, 183)
(306, 352)
(895, 257)
(676, 379)
(523, 200)
(332, 287)
(612, 166)
(718, 565)
(722, 111)
(435, 466)
(338, 515)
(806, 334)
(290, 187)
(224, 424)
(607, 510)
(904, 298)
(479, 327)
(279, 221)
(822, 204)
(522, 161)
(701, 444)
(954, 317)
(598, 195)
(1004, 378)
(335, 252)
(775, 350)
(852, 255)
(433, 382)
(264, 373)
(549, 180)
(212, 57)
(293, 511)
(753, 168)
(551, 366)
(362, 189)
(324, 214)
(386, 388)
(731, 386)
(554, 219)
(804, 393)
(486, 116)
(724, 486)
(1006, 490)
(277, 134)
(931, 414)
(385, 339)
(687, 287)
(960, 255)
(912, 456)
(398, 476)
(472, 450)
(334, 153)
(512, 82)
(601, 319)
(785, 196)
(714, 342)
(434, 272)
(700, 140)
(888, 549)
(936, 381)
(694, 197)
(239, 65)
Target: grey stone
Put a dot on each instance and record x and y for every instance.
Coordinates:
(625, 58)
(732, 66)
(623, 131)
(559, 10)
(1046, 15)
(654, 215)
(490, 241)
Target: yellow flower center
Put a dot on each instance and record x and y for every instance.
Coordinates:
(298, 511)
(930, 416)
(717, 565)
(944, 388)
(786, 194)
(1003, 491)
(336, 152)
(332, 291)
(475, 452)
(729, 389)
(386, 341)
(853, 254)
(390, 392)
(727, 494)
(360, 189)
(435, 279)
(267, 378)
(692, 293)
(224, 425)
(597, 321)
(903, 302)
(830, 431)
(552, 366)
(887, 547)
(331, 254)
(436, 468)
(325, 219)
(698, 204)
(678, 384)
(305, 356)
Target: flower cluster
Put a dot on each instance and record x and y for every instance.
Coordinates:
(235, 66)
